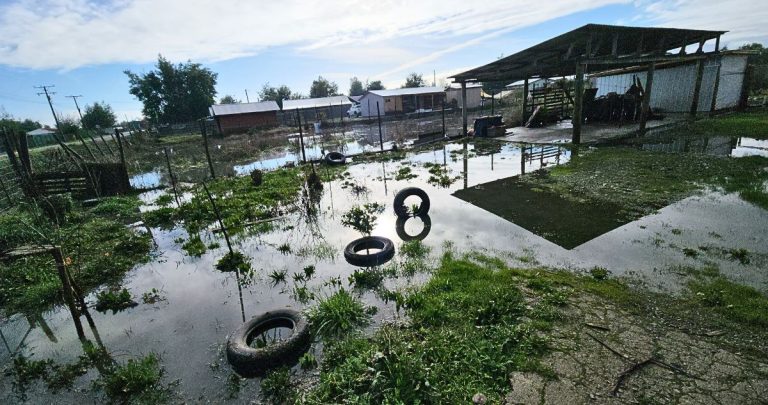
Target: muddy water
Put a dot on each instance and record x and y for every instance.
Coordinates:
(202, 306)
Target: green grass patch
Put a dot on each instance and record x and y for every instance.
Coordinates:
(736, 302)
(747, 124)
(114, 300)
(338, 315)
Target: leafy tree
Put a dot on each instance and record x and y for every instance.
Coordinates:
(276, 94)
(100, 114)
(229, 100)
(758, 80)
(374, 85)
(7, 121)
(355, 87)
(414, 80)
(323, 88)
(68, 126)
(174, 93)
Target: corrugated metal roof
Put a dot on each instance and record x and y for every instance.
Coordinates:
(407, 91)
(315, 102)
(244, 108)
(41, 131)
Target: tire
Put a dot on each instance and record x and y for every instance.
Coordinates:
(404, 236)
(335, 158)
(251, 362)
(402, 211)
(385, 254)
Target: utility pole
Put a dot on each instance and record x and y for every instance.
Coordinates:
(66, 148)
(247, 100)
(74, 98)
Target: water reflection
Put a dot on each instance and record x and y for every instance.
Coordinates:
(405, 231)
(710, 145)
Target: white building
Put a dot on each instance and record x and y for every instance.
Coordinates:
(401, 101)
(474, 95)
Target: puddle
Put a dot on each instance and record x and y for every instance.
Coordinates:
(202, 306)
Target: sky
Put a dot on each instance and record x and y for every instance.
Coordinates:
(82, 47)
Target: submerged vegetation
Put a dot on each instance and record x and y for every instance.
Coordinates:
(97, 247)
(338, 315)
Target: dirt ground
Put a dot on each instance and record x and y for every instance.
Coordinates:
(606, 355)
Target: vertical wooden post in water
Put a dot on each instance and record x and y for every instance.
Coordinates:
(443, 118)
(204, 130)
(301, 137)
(381, 138)
(646, 97)
(578, 104)
(173, 178)
(58, 257)
(120, 147)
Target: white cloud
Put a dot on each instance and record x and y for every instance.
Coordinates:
(67, 34)
(744, 19)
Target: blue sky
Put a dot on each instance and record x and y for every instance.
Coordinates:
(82, 47)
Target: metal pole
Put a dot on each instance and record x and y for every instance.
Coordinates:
(301, 137)
(170, 173)
(443, 118)
(77, 134)
(464, 107)
(74, 98)
(204, 130)
(378, 115)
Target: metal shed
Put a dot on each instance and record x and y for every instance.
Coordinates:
(594, 48)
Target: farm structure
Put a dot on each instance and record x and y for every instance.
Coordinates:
(238, 118)
(595, 48)
(401, 101)
(474, 95)
(316, 109)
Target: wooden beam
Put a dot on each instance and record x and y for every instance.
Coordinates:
(639, 50)
(697, 88)
(525, 101)
(716, 87)
(660, 48)
(647, 97)
(717, 44)
(569, 52)
(643, 59)
(615, 45)
(682, 46)
(578, 105)
(464, 107)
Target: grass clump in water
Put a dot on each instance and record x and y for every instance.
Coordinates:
(115, 300)
(138, 380)
(195, 246)
(338, 315)
(234, 261)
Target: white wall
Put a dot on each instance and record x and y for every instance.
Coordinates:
(673, 87)
(368, 105)
(473, 96)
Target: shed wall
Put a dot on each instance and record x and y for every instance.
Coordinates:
(673, 87)
(239, 123)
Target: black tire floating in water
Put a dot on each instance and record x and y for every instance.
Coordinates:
(335, 158)
(385, 246)
(251, 362)
(404, 236)
(402, 211)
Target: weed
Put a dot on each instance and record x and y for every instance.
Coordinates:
(405, 173)
(742, 255)
(234, 261)
(115, 300)
(138, 379)
(362, 218)
(284, 249)
(366, 279)
(302, 294)
(277, 387)
(299, 278)
(308, 361)
(194, 246)
(278, 276)
(599, 273)
(234, 385)
(309, 271)
(414, 249)
(152, 296)
(320, 251)
(741, 303)
(338, 315)
(676, 231)
(688, 252)
(164, 200)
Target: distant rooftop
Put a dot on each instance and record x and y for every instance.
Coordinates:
(41, 131)
(244, 108)
(315, 102)
(407, 91)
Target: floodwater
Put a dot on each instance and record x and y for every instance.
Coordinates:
(201, 306)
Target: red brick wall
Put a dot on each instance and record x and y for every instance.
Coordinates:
(240, 123)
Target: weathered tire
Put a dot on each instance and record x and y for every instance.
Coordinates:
(249, 361)
(385, 253)
(404, 236)
(335, 158)
(402, 211)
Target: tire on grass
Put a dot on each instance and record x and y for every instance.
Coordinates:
(335, 158)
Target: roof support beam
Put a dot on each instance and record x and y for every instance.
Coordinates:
(697, 88)
(578, 105)
(642, 59)
(716, 87)
(615, 46)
